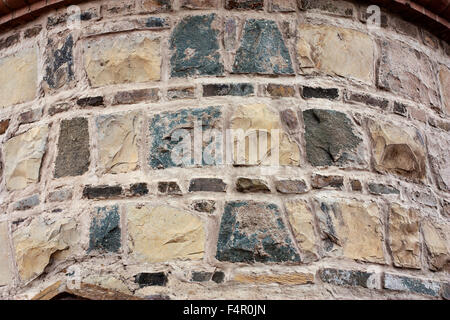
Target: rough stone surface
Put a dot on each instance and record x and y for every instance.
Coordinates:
(27, 203)
(327, 182)
(254, 232)
(279, 90)
(286, 279)
(157, 6)
(262, 50)
(356, 185)
(41, 242)
(104, 233)
(247, 185)
(18, 77)
(139, 189)
(235, 89)
(335, 51)
(208, 206)
(444, 78)
(324, 93)
(30, 116)
(244, 4)
(181, 93)
(201, 276)
(23, 158)
(339, 8)
(151, 279)
(6, 272)
(4, 125)
(260, 118)
(352, 229)
(164, 129)
(208, 185)
(118, 142)
(136, 96)
(347, 277)
(331, 139)
(291, 186)
(73, 148)
(414, 285)
(199, 4)
(169, 187)
(163, 233)
(282, 6)
(60, 195)
(302, 222)
(366, 99)
(398, 150)
(122, 59)
(437, 242)
(91, 102)
(59, 69)
(404, 237)
(195, 47)
(407, 72)
(102, 192)
(378, 188)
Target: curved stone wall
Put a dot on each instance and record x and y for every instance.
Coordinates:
(209, 149)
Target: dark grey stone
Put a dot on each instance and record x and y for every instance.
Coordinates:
(208, 185)
(105, 230)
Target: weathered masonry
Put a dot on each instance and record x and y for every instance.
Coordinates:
(119, 179)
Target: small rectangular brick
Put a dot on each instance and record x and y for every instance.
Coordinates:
(346, 277)
(246, 185)
(366, 99)
(181, 93)
(27, 203)
(199, 4)
(60, 195)
(30, 116)
(244, 4)
(289, 118)
(207, 184)
(438, 123)
(113, 8)
(229, 37)
(102, 192)
(169, 187)
(378, 188)
(413, 285)
(154, 23)
(322, 93)
(282, 5)
(418, 114)
(279, 90)
(139, 189)
(151, 279)
(152, 6)
(339, 8)
(291, 186)
(201, 276)
(401, 109)
(287, 278)
(207, 206)
(356, 185)
(4, 125)
(58, 108)
(136, 96)
(320, 182)
(233, 89)
(90, 102)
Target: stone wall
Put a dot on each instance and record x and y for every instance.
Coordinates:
(358, 207)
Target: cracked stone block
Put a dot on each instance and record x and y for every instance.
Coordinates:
(104, 233)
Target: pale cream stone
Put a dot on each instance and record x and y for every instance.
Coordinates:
(438, 245)
(163, 233)
(23, 157)
(285, 279)
(398, 150)
(404, 237)
(108, 282)
(335, 51)
(355, 230)
(118, 143)
(444, 77)
(302, 223)
(257, 118)
(6, 273)
(18, 78)
(45, 238)
(122, 59)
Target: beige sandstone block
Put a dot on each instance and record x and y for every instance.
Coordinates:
(118, 142)
(163, 233)
(285, 279)
(18, 77)
(302, 223)
(404, 237)
(23, 156)
(352, 229)
(437, 242)
(336, 52)
(6, 273)
(444, 78)
(127, 58)
(398, 150)
(43, 240)
(260, 118)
